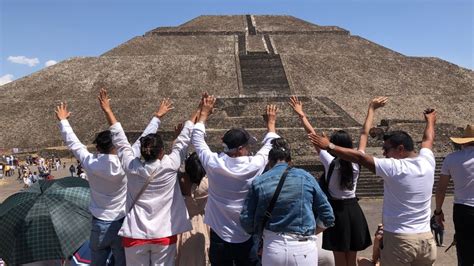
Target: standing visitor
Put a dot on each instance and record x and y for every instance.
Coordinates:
(408, 183)
(193, 245)
(350, 233)
(289, 231)
(157, 212)
(72, 169)
(108, 186)
(230, 174)
(459, 166)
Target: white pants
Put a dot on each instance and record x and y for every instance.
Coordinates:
(151, 254)
(283, 249)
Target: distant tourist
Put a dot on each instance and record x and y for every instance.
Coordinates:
(230, 174)
(459, 166)
(72, 169)
(408, 183)
(108, 187)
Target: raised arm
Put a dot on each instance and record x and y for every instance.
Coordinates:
(261, 157)
(181, 143)
(202, 149)
(429, 133)
(104, 101)
(163, 109)
(364, 134)
(69, 137)
(347, 154)
(297, 106)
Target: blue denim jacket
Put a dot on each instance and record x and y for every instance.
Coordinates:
(300, 200)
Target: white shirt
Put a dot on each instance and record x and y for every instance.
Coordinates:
(107, 180)
(229, 181)
(460, 166)
(334, 183)
(160, 211)
(408, 185)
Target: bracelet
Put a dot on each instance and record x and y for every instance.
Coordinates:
(438, 213)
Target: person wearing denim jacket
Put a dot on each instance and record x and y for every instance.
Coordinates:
(301, 211)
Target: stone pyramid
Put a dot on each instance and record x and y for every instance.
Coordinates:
(247, 61)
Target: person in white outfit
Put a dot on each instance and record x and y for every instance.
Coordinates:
(108, 186)
(230, 175)
(157, 211)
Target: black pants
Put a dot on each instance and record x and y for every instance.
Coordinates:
(222, 253)
(463, 218)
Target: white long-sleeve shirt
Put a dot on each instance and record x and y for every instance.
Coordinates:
(107, 180)
(229, 181)
(160, 211)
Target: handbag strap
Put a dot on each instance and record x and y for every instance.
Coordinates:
(268, 212)
(330, 170)
(147, 182)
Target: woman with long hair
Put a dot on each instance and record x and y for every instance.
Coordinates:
(350, 233)
(289, 233)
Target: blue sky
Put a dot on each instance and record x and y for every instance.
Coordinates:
(34, 32)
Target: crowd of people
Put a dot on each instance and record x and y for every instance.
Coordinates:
(238, 208)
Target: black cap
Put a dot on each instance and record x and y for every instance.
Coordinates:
(237, 137)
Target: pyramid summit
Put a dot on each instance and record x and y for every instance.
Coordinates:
(246, 61)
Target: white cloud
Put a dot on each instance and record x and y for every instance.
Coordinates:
(50, 63)
(24, 60)
(6, 79)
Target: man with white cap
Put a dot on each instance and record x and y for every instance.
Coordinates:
(459, 166)
(230, 175)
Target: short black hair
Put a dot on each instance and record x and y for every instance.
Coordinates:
(280, 151)
(194, 169)
(399, 137)
(151, 146)
(103, 142)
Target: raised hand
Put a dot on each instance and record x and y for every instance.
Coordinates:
(207, 107)
(104, 101)
(105, 105)
(430, 115)
(297, 106)
(270, 117)
(165, 106)
(378, 102)
(177, 129)
(61, 111)
(321, 141)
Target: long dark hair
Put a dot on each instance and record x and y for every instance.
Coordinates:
(194, 169)
(280, 151)
(343, 139)
(151, 146)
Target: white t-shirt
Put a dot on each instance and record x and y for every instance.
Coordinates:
(334, 183)
(229, 181)
(460, 166)
(408, 185)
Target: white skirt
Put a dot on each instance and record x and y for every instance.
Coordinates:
(289, 249)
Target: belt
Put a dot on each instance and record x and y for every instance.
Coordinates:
(298, 237)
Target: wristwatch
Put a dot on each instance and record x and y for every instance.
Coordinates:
(331, 146)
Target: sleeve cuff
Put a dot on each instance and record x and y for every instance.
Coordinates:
(320, 224)
(200, 126)
(115, 128)
(270, 136)
(189, 124)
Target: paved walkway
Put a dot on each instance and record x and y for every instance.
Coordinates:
(371, 207)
